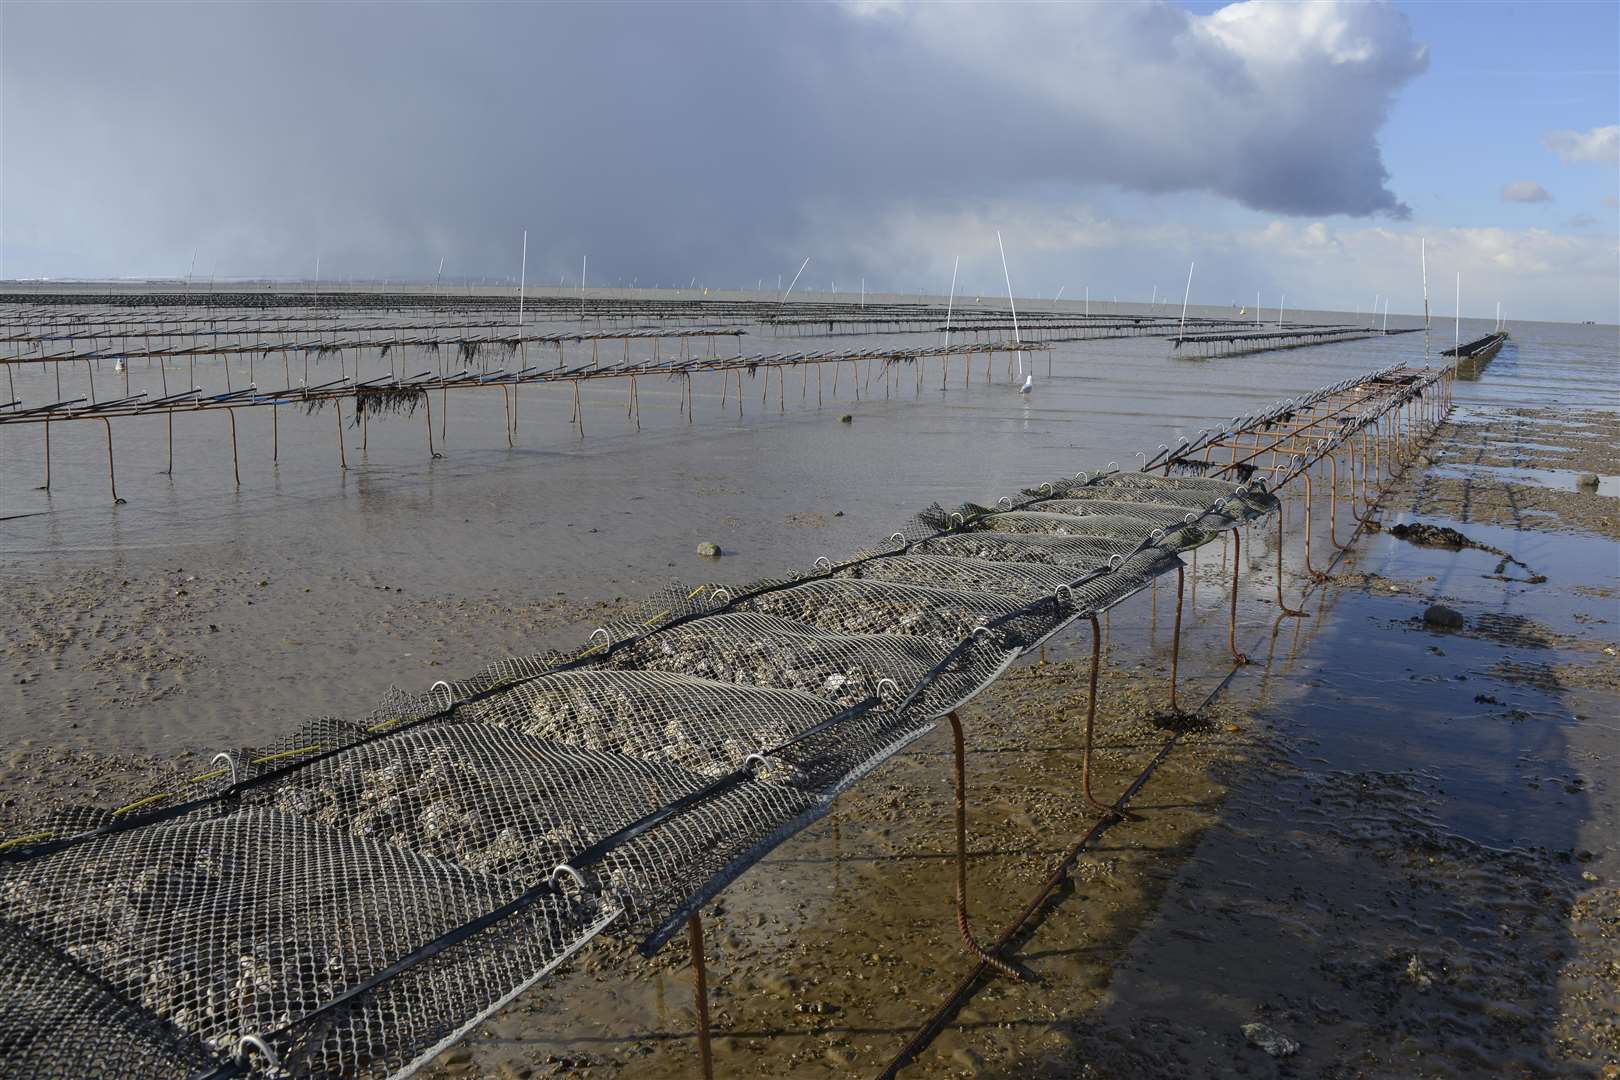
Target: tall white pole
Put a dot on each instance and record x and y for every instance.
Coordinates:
(1010, 303)
(1283, 299)
(1498, 317)
(1184, 296)
(1088, 301)
(1386, 314)
(951, 303)
(1457, 315)
(863, 294)
(1257, 307)
(523, 281)
(1153, 302)
(1059, 295)
(584, 260)
(792, 283)
(1375, 306)
(1423, 258)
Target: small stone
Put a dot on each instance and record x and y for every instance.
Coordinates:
(838, 513)
(1587, 481)
(1443, 617)
(846, 419)
(1269, 1039)
(1589, 877)
(450, 1059)
(709, 549)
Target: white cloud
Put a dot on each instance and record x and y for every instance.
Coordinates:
(1274, 105)
(1600, 144)
(1525, 191)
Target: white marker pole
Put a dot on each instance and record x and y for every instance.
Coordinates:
(584, 260)
(863, 294)
(1375, 306)
(1059, 295)
(1457, 315)
(1005, 274)
(1088, 301)
(523, 281)
(1281, 300)
(1184, 298)
(951, 303)
(1423, 258)
(792, 283)
(1257, 307)
(1386, 314)
(1154, 301)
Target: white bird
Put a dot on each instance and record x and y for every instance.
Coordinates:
(1029, 384)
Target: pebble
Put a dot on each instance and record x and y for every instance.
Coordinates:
(709, 549)
(846, 419)
(1444, 617)
(1587, 481)
(1269, 1039)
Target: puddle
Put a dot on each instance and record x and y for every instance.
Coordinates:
(1555, 479)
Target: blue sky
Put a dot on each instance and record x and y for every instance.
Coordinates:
(1289, 148)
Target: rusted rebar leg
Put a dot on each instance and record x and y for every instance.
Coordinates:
(112, 479)
(1175, 637)
(1282, 607)
(1316, 575)
(275, 435)
(969, 943)
(1091, 721)
(236, 463)
(1333, 502)
(343, 457)
(428, 399)
(47, 485)
(700, 992)
(1231, 624)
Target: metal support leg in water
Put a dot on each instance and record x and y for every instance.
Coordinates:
(1282, 607)
(111, 478)
(236, 464)
(700, 992)
(1175, 638)
(1091, 721)
(1231, 625)
(968, 941)
(343, 457)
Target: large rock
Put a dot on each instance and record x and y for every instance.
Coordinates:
(1438, 615)
(709, 549)
(1269, 1039)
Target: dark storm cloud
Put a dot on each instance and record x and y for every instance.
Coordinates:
(665, 140)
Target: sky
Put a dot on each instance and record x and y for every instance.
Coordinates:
(1303, 150)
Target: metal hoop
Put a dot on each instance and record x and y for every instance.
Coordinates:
(449, 694)
(607, 635)
(564, 868)
(822, 559)
(1115, 561)
(230, 762)
(270, 1056)
(891, 682)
